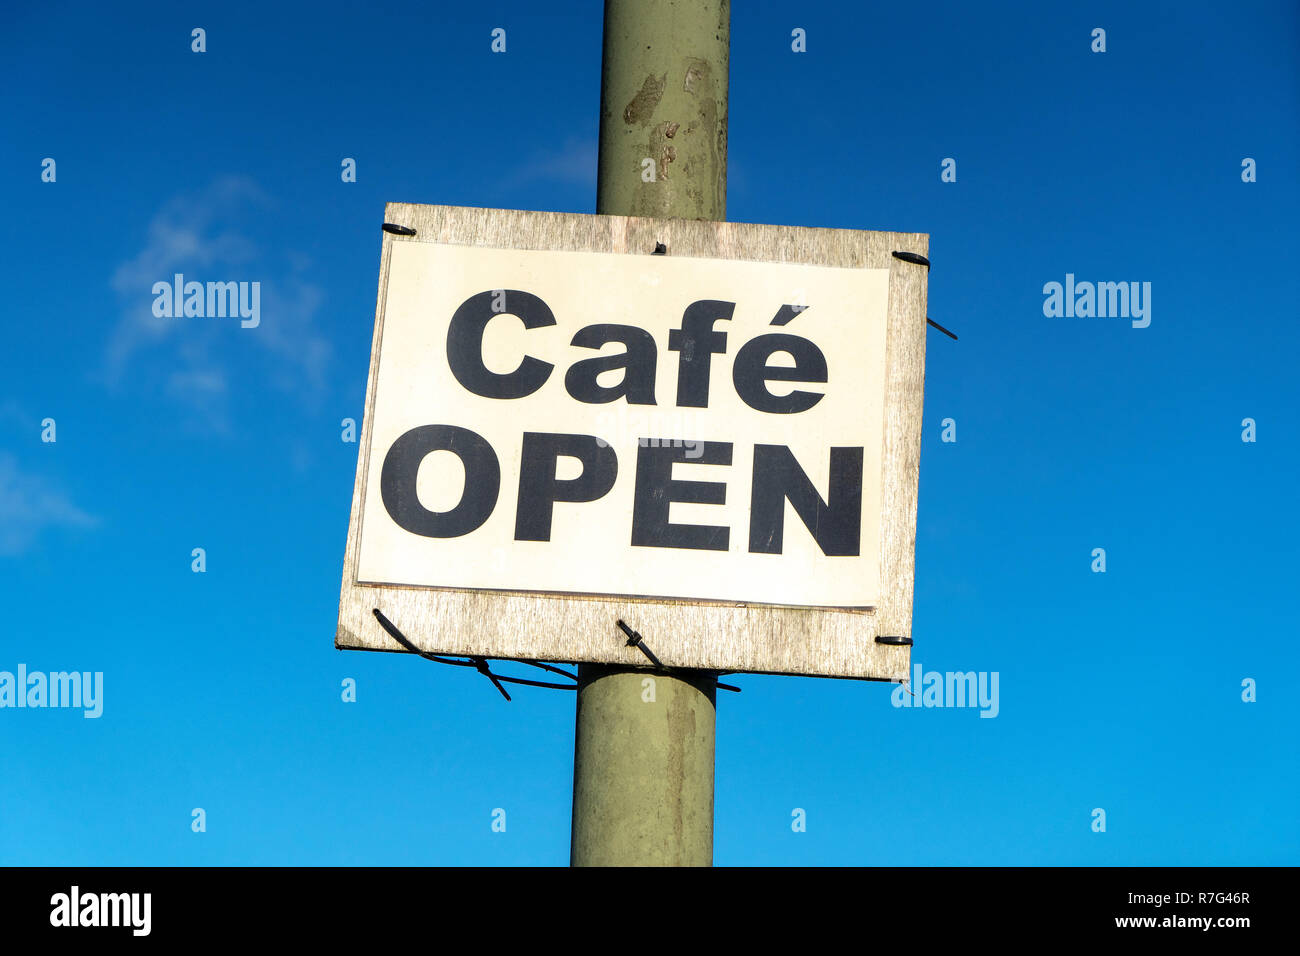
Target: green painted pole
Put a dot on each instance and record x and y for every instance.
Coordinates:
(643, 742)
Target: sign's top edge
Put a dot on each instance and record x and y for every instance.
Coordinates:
(393, 209)
(669, 261)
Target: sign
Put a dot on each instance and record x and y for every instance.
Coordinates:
(717, 444)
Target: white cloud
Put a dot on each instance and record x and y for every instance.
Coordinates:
(203, 236)
(197, 382)
(29, 505)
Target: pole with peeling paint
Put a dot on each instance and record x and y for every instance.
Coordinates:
(663, 109)
(643, 747)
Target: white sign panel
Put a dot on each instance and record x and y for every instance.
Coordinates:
(636, 425)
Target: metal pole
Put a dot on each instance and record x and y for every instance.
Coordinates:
(643, 752)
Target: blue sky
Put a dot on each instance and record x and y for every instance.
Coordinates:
(1120, 690)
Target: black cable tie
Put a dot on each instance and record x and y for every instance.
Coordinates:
(481, 664)
(633, 638)
(897, 641)
(636, 640)
(950, 335)
(482, 667)
(914, 257)
(398, 230)
(920, 260)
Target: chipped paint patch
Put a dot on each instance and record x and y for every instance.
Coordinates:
(642, 107)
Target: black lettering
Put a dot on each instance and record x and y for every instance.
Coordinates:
(698, 343)
(638, 364)
(836, 526)
(402, 465)
(656, 490)
(539, 489)
(751, 373)
(465, 343)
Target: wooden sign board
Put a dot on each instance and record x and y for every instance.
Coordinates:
(718, 444)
